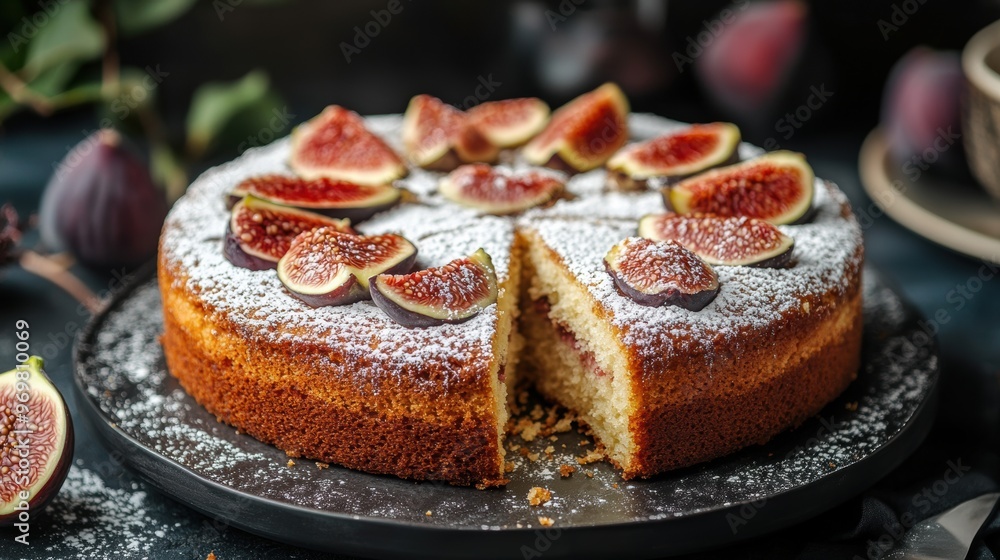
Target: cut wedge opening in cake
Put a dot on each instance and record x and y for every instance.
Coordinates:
(574, 353)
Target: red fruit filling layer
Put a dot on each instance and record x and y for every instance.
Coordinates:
(568, 337)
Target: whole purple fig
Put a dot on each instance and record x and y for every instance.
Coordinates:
(921, 110)
(102, 205)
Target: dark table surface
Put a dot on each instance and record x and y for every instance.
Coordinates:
(105, 512)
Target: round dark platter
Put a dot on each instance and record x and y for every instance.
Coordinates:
(141, 412)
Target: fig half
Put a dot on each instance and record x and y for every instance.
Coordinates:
(719, 240)
(510, 122)
(337, 144)
(328, 267)
(584, 133)
(259, 232)
(674, 156)
(499, 190)
(331, 197)
(451, 293)
(656, 273)
(776, 187)
(36, 442)
(440, 137)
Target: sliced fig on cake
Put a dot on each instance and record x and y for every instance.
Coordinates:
(511, 122)
(328, 267)
(584, 133)
(722, 240)
(331, 197)
(499, 190)
(451, 293)
(656, 273)
(259, 232)
(337, 144)
(440, 137)
(775, 187)
(674, 156)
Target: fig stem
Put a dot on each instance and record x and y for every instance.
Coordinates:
(46, 268)
(110, 67)
(19, 91)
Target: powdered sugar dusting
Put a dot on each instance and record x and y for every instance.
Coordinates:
(827, 255)
(98, 522)
(257, 301)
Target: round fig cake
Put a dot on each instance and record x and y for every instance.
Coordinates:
(703, 331)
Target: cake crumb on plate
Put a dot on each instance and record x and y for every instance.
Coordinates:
(592, 456)
(545, 521)
(538, 496)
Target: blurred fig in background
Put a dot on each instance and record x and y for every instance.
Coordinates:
(10, 234)
(102, 206)
(750, 52)
(921, 111)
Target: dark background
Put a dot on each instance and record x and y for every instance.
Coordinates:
(444, 47)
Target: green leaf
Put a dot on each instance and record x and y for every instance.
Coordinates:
(69, 34)
(215, 103)
(137, 16)
(54, 79)
(258, 124)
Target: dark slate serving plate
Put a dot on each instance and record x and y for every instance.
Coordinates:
(141, 411)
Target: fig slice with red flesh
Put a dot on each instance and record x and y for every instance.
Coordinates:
(337, 144)
(584, 133)
(440, 137)
(259, 233)
(333, 198)
(328, 267)
(775, 187)
(511, 122)
(656, 273)
(36, 442)
(719, 240)
(451, 293)
(499, 190)
(674, 156)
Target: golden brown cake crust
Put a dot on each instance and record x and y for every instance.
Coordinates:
(303, 398)
(775, 382)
